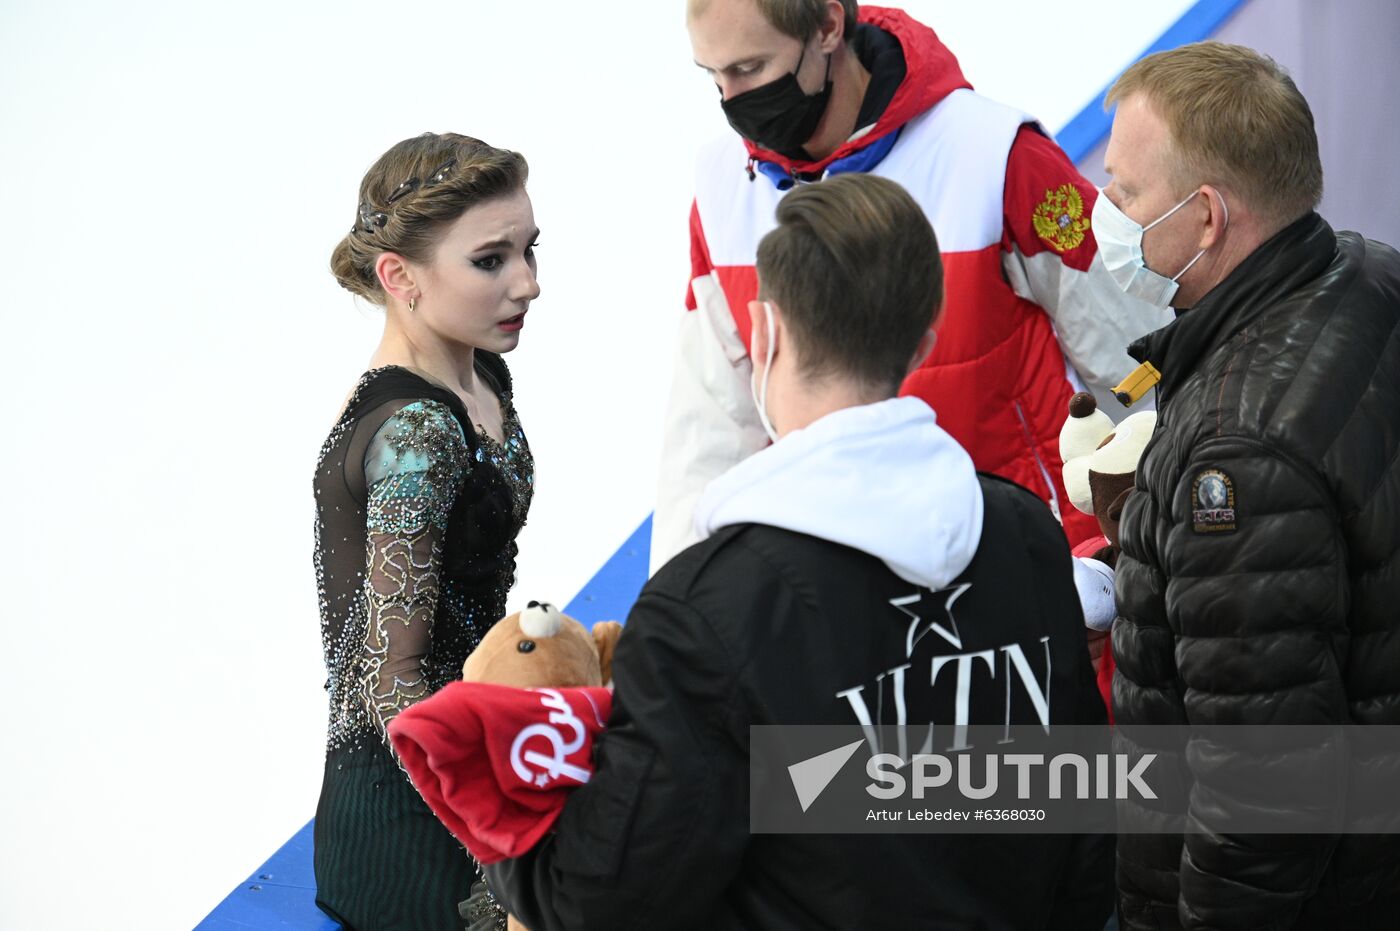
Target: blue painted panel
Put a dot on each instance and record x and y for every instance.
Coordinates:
(609, 595)
(1091, 125)
(280, 894)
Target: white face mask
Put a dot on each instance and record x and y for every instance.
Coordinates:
(1120, 248)
(760, 394)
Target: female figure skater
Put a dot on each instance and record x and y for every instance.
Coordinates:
(421, 488)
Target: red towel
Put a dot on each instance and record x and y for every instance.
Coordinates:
(496, 763)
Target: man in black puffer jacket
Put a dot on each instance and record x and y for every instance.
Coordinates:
(1259, 582)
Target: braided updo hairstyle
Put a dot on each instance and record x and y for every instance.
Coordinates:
(415, 190)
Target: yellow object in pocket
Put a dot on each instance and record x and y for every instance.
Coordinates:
(1130, 390)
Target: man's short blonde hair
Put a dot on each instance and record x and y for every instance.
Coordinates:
(797, 18)
(1236, 119)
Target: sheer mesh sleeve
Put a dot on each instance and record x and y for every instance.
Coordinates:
(414, 467)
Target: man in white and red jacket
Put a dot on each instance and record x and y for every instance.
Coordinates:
(816, 88)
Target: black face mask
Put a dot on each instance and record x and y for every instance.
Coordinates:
(779, 115)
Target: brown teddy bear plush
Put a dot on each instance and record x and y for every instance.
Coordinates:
(494, 762)
(537, 648)
(543, 648)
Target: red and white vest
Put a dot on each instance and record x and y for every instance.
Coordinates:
(996, 378)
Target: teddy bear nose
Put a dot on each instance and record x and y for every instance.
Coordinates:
(525, 646)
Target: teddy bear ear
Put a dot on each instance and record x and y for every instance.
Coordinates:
(540, 619)
(605, 634)
(1085, 428)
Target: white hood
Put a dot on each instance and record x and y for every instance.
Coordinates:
(882, 478)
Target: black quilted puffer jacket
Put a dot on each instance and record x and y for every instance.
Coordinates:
(1260, 576)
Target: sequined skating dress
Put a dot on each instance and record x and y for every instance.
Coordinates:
(417, 515)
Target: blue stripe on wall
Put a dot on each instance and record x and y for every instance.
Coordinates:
(608, 596)
(1083, 133)
(282, 893)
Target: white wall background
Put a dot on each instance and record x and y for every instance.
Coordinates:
(173, 177)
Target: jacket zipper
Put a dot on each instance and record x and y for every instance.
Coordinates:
(1040, 463)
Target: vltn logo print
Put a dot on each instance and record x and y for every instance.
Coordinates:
(1008, 664)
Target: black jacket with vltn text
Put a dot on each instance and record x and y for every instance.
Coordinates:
(762, 625)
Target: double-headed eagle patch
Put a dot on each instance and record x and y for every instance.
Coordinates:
(1060, 220)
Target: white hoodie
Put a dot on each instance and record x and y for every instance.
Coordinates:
(881, 478)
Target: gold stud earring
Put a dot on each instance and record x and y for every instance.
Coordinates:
(411, 302)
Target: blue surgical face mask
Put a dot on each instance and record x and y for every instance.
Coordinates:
(1120, 248)
(760, 394)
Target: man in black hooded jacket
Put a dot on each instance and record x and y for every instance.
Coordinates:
(1259, 582)
(856, 571)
